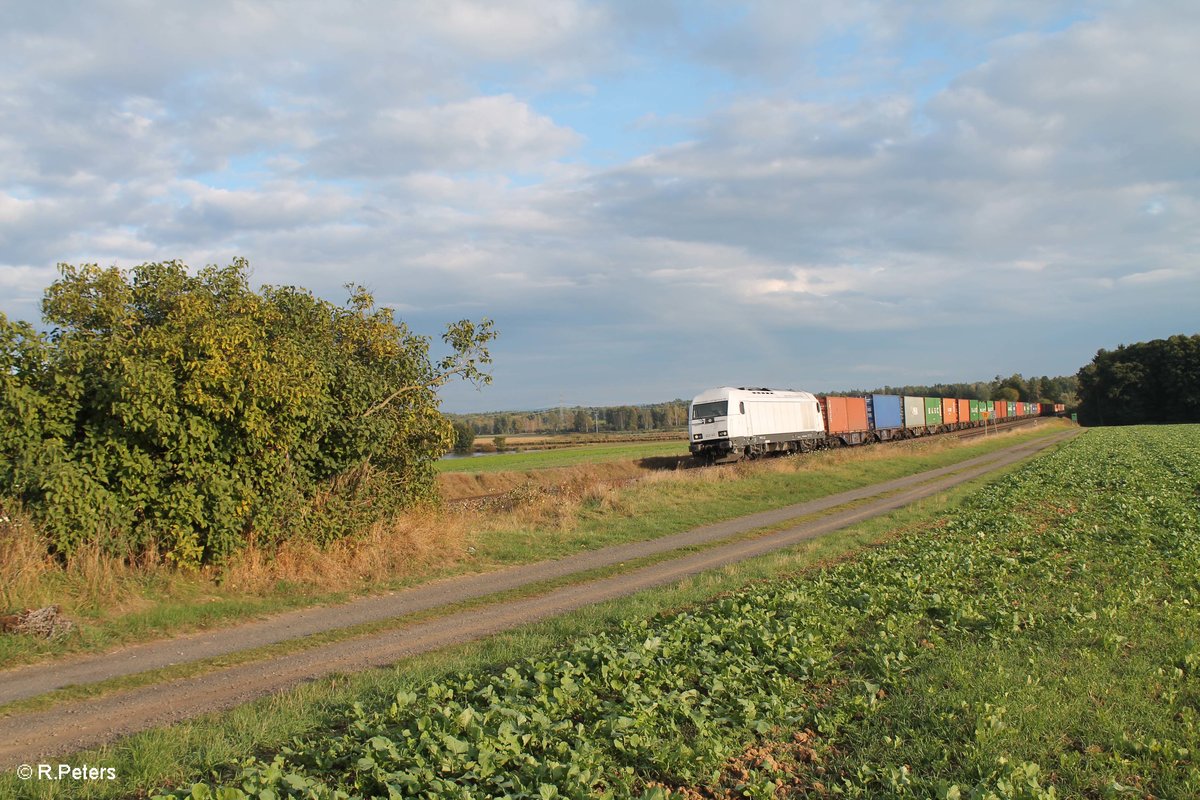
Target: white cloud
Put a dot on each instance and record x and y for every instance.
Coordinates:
(1041, 171)
(480, 133)
(530, 28)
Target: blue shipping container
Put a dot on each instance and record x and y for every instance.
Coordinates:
(886, 411)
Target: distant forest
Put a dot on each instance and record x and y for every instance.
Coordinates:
(672, 415)
(579, 419)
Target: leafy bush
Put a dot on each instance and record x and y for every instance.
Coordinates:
(188, 411)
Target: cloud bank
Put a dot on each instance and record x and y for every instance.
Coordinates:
(648, 202)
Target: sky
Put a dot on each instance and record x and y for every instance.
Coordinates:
(649, 198)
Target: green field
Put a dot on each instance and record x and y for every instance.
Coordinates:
(563, 457)
(1041, 640)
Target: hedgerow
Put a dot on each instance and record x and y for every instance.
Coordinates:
(183, 411)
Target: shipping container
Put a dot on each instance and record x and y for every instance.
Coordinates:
(914, 412)
(886, 412)
(1000, 407)
(933, 411)
(846, 414)
(949, 411)
(975, 411)
(964, 411)
(1012, 408)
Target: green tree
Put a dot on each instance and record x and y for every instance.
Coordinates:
(189, 413)
(464, 438)
(1017, 384)
(1155, 381)
(1006, 393)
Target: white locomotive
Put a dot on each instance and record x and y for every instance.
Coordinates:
(733, 423)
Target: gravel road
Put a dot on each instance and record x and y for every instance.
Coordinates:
(75, 725)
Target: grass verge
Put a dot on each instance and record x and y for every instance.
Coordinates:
(201, 747)
(117, 603)
(189, 669)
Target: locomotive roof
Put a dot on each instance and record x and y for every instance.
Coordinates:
(762, 391)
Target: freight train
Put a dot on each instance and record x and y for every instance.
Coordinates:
(729, 423)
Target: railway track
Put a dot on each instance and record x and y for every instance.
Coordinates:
(976, 433)
(688, 462)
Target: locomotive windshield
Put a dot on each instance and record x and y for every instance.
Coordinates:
(719, 408)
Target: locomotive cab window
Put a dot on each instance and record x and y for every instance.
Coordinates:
(718, 408)
(741, 408)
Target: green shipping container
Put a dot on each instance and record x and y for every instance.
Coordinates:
(974, 411)
(933, 411)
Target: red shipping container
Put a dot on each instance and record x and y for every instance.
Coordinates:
(949, 411)
(856, 413)
(846, 414)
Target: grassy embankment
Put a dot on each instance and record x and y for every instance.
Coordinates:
(115, 602)
(504, 472)
(1037, 640)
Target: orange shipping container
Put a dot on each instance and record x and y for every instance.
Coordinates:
(949, 411)
(1001, 409)
(964, 410)
(846, 414)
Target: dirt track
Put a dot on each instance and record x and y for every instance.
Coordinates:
(76, 725)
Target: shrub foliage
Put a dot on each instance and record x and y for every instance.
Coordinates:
(184, 411)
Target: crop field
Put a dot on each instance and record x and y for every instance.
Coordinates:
(1042, 641)
(526, 440)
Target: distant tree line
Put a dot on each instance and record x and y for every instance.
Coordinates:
(1062, 389)
(1155, 381)
(673, 415)
(580, 419)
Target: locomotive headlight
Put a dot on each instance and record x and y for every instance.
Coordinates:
(697, 435)
(722, 433)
